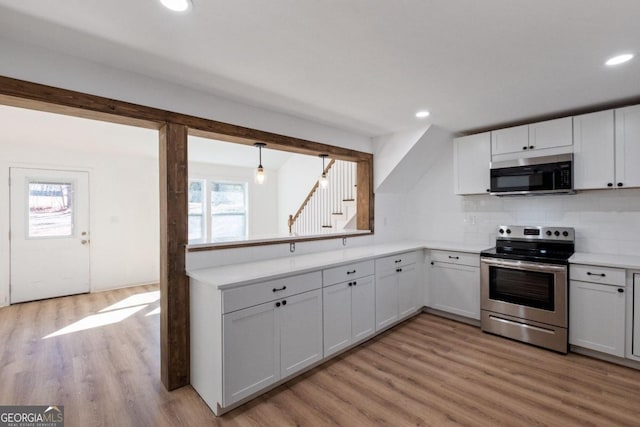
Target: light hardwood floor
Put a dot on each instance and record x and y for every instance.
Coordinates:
(426, 371)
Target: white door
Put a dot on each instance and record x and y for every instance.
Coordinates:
(408, 298)
(386, 299)
(597, 317)
(627, 146)
(363, 308)
(336, 306)
(472, 156)
(300, 332)
(49, 233)
(593, 150)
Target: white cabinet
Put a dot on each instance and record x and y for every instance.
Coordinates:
(636, 316)
(597, 316)
(300, 332)
(597, 308)
(536, 139)
(265, 343)
(251, 351)
(454, 284)
(397, 289)
(349, 313)
(551, 134)
(593, 150)
(627, 146)
(510, 140)
(607, 149)
(471, 159)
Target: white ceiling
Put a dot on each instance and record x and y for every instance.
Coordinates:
(362, 65)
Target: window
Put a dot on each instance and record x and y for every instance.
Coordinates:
(228, 211)
(50, 209)
(196, 210)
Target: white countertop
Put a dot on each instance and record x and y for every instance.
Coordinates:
(251, 272)
(606, 260)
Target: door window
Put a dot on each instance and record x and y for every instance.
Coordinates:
(50, 209)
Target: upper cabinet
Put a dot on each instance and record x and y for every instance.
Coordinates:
(593, 150)
(537, 139)
(510, 140)
(607, 149)
(627, 146)
(471, 158)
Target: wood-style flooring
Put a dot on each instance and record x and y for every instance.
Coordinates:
(427, 371)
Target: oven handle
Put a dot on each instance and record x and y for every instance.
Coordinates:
(523, 265)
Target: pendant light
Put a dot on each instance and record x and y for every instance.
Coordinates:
(259, 176)
(323, 182)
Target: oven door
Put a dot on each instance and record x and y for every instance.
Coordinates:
(526, 290)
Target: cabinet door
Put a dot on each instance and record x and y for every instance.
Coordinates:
(455, 289)
(510, 140)
(337, 321)
(251, 351)
(386, 298)
(551, 134)
(363, 309)
(408, 291)
(628, 146)
(593, 154)
(636, 315)
(471, 159)
(597, 317)
(300, 331)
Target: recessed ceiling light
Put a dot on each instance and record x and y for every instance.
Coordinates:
(177, 5)
(619, 59)
(422, 114)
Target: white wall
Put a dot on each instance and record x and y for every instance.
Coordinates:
(389, 150)
(124, 211)
(263, 207)
(295, 179)
(606, 221)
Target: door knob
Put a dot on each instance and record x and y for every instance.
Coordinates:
(84, 242)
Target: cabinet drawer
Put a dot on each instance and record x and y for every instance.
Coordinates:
(247, 296)
(604, 275)
(394, 261)
(461, 258)
(346, 272)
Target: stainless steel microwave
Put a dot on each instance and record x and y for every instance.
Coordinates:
(536, 175)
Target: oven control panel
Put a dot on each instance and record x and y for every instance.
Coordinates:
(536, 233)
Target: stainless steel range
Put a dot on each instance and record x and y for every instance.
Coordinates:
(524, 285)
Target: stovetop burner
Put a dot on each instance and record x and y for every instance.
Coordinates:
(549, 245)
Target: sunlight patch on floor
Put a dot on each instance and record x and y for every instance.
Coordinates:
(133, 300)
(97, 320)
(152, 312)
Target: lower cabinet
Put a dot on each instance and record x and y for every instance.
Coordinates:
(454, 285)
(397, 289)
(597, 317)
(636, 316)
(349, 315)
(270, 341)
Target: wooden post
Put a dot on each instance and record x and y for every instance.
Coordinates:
(365, 201)
(174, 284)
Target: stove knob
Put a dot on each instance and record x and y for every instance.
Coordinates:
(557, 233)
(508, 231)
(565, 233)
(501, 231)
(549, 233)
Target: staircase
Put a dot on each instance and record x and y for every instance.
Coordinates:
(331, 209)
